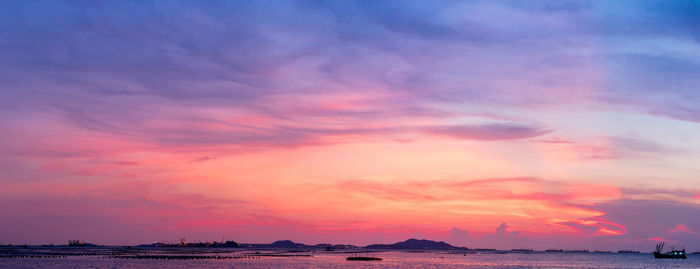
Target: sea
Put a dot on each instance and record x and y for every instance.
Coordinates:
(330, 259)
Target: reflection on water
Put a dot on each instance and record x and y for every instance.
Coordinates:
(390, 260)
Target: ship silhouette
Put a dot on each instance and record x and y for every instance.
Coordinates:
(673, 254)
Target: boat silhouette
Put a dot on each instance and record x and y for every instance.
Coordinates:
(673, 254)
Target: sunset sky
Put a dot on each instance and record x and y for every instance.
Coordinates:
(507, 124)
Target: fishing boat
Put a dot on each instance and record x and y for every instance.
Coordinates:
(673, 254)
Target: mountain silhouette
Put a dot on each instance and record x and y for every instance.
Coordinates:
(415, 244)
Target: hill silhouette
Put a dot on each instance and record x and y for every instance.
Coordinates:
(415, 244)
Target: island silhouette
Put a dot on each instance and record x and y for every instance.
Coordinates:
(410, 244)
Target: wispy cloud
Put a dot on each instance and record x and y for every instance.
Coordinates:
(490, 131)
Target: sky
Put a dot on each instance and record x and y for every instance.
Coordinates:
(505, 124)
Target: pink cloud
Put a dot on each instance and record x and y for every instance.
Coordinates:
(680, 228)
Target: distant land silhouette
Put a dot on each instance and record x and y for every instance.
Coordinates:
(280, 244)
(410, 244)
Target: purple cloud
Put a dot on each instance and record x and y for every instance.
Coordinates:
(490, 132)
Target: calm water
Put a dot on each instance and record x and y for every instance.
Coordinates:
(391, 260)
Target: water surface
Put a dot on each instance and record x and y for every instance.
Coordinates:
(392, 259)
